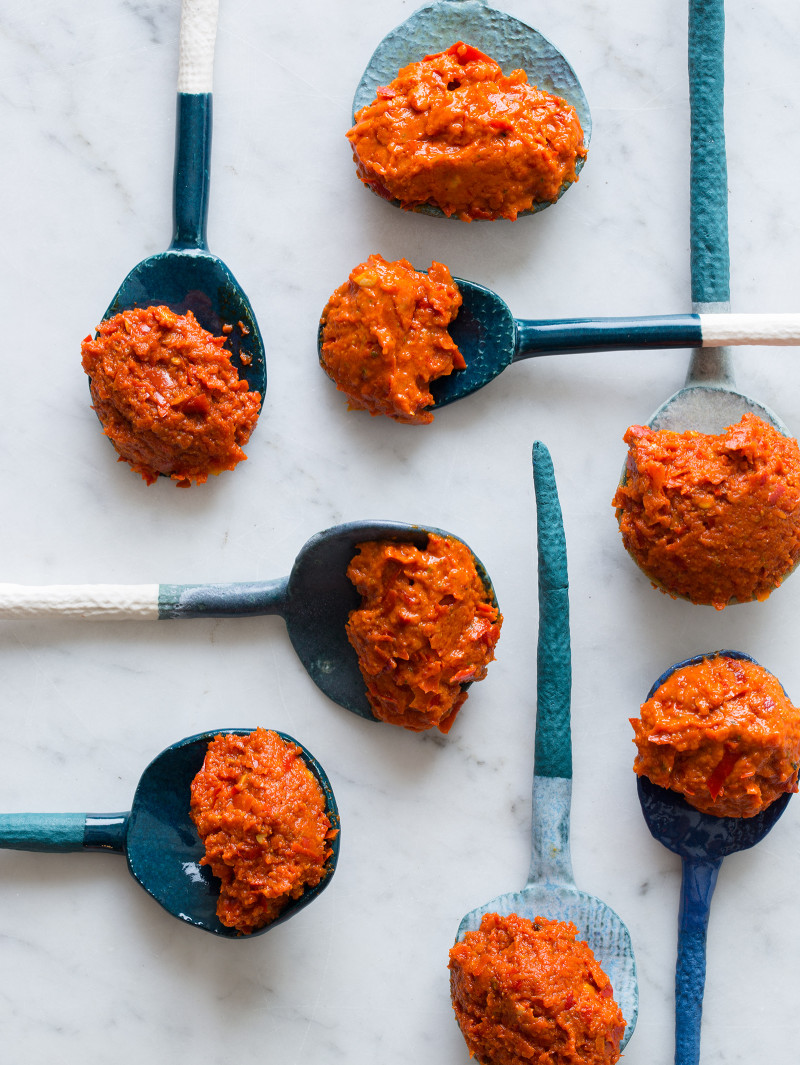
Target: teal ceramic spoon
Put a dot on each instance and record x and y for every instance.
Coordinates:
(701, 841)
(550, 891)
(709, 401)
(187, 277)
(314, 600)
(511, 43)
(490, 338)
(158, 837)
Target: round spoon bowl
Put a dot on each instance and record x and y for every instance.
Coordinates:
(197, 281)
(709, 409)
(511, 43)
(164, 850)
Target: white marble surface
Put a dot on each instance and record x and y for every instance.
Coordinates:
(89, 965)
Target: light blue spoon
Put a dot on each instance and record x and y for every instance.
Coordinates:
(550, 891)
(702, 841)
(158, 837)
(511, 43)
(187, 277)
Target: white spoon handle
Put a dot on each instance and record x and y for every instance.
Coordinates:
(109, 602)
(198, 37)
(721, 330)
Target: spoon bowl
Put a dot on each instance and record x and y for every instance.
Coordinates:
(159, 839)
(550, 891)
(511, 43)
(314, 600)
(701, 841)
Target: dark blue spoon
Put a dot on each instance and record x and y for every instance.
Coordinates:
(158, 837)
(701, 841)
(314, 600)
(490, 338)
(550, 891)
(511, 43)
(187, 277)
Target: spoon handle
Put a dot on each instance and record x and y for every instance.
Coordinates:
(193, 131)
(552, 774)
(142, 602)
(63, 832)
(697, 887)
(564, 336)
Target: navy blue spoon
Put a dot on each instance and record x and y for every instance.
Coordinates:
(550, 891)
(511, 43)
(158, 837)
(701, 841)
(314, 600)
(187, 277)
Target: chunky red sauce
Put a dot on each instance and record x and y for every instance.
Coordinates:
(712, 518)
(262, 815)
(168, 396)
(426, 627)
(453, 131)
(384, 337)
(530, 993)
(723, 734)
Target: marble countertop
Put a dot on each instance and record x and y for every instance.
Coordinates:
(432, 826)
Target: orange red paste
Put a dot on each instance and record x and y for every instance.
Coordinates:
(723, 733)
(712, 518)
(425, 628)
(453, 131)
(384, 337)
(168, 397)
(530, 993)
(261, 814)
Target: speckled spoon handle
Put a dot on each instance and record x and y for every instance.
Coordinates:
(710, 255)
(193, 133)
(697, 886)
(63, 832)
(552, 775)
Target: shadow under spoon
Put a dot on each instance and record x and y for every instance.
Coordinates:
(511, 43)
(187, 277)
(314, 601)
(550, 891)
(701, 841)
(158, 837)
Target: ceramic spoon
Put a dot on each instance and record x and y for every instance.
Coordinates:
(187, 276)
(314, 600)
(550, 891)
(709, 402)
(511, 43)
(701, 841)
(158, 837)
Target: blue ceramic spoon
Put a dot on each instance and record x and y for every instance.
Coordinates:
(511, 43)
(159, 838)
(187, 277)
(314, 600)
(490, 338)
(709, 402)
(701, 841)
(550, 891)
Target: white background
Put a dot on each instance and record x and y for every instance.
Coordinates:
(90, 966)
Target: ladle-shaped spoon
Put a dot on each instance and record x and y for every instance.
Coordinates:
(490, 338)
(158, 837)
(314, 601)
(709, 401)
(701, 841)
(511, 43)
(550, 891)
(187, 277)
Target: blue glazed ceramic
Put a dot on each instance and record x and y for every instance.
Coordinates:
(436, 26)
(187, 277)
(550, 891)
(158, 837)
(701, 841)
